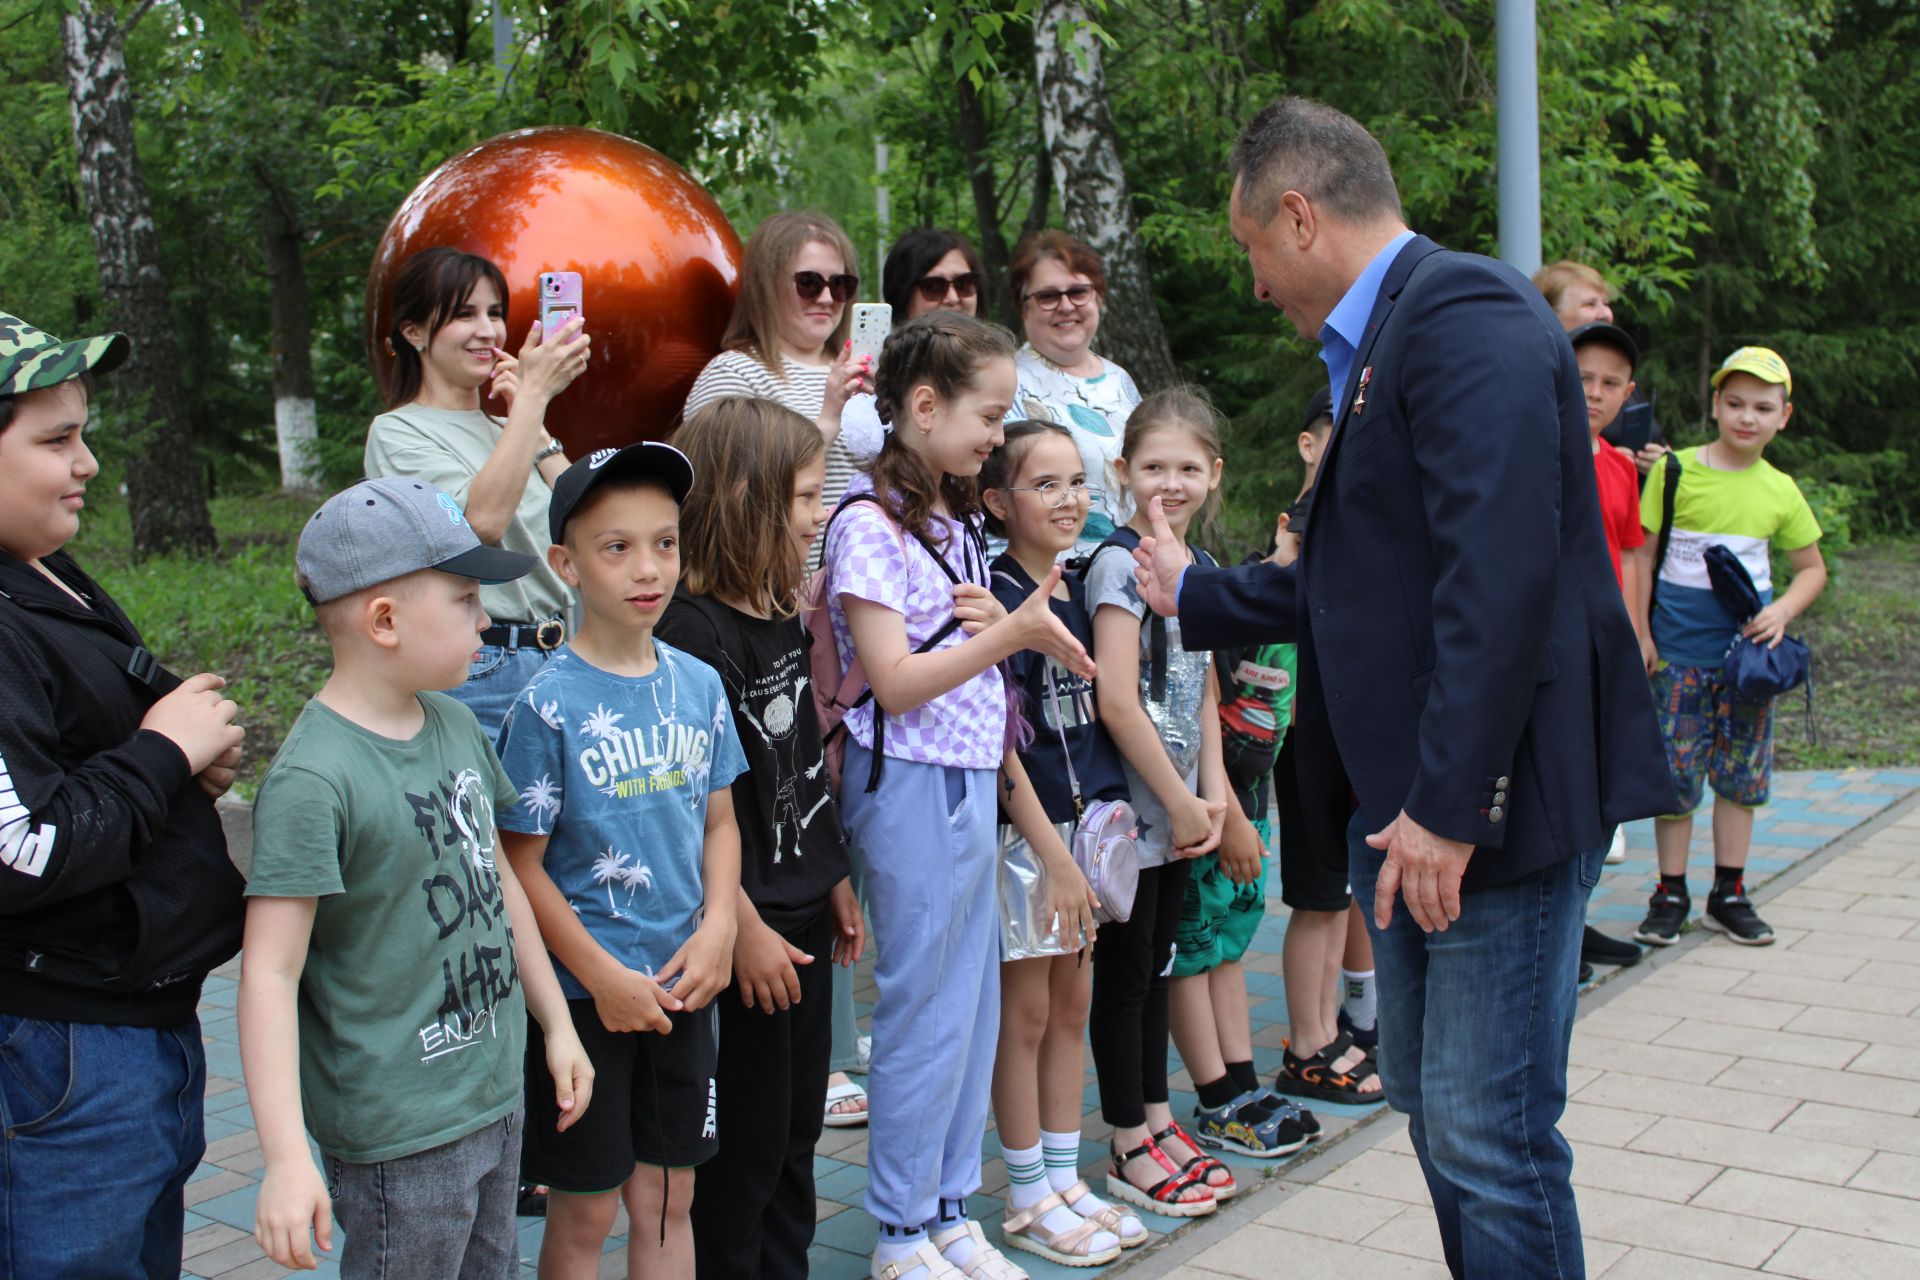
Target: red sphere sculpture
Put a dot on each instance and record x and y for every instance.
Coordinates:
(659, 262)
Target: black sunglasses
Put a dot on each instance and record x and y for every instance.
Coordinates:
(808, 285)
(934, 288)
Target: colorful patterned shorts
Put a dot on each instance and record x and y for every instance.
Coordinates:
(1217, 918)
(1711, 732)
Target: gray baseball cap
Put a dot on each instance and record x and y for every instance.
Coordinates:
(380, 530)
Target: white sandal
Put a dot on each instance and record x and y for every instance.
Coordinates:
(926, 1256)
(843, 1093)
(1128, 1229)
(987, 1262)
(1027, 1230)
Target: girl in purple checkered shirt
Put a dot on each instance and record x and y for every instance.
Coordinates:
(907, 593)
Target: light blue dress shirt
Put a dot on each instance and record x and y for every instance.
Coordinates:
(1346, 324)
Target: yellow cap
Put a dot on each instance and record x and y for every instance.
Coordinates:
(1763, 363)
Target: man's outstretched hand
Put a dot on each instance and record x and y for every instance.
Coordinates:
(1423, 868)
(1160, 560)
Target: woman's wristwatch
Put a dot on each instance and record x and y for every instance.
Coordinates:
(553, 447)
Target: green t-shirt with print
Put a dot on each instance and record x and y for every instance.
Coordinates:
(412, 1022)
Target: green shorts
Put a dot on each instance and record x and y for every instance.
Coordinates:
(1217, 918)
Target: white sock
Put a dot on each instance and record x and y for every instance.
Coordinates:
(1063, 1159)
(1027, 1185)
(959, 1250)
(1063, 1170)
(895, 1247)
(1363, 1009)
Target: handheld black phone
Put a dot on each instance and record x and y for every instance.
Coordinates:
(1635, 427)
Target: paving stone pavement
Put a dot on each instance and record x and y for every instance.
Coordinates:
(1733, 1109)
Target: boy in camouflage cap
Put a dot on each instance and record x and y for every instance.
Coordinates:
(116, 894)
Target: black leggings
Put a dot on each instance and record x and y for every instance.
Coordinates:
(1127, 1022)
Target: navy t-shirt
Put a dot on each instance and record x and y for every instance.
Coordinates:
(1095, 759)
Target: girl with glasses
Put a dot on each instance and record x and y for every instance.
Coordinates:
(787, 341)
(1060, 287)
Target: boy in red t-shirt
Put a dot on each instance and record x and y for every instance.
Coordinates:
(1607, 358)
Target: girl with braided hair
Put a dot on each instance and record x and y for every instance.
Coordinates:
(926, 758)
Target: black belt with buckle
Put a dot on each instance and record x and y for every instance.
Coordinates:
(526, 635)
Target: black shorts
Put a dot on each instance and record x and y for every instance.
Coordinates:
(1311, 879)
(653, 1102)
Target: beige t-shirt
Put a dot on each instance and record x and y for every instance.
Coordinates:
(447, 448)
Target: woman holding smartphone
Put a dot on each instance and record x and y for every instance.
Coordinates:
(1060, 286)
(449, 314)
(928, 269)
(787, 340)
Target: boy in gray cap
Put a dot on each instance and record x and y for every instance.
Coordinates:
(387, 945)
(116, 894)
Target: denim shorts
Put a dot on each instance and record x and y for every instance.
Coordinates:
(446, 1211)
(1712, 733)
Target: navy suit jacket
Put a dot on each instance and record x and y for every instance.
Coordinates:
(1465, 653)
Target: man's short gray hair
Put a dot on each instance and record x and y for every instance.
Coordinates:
(1297, 144)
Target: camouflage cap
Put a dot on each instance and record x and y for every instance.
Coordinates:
(31, 358)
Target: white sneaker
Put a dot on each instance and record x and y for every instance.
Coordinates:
(1617, 851)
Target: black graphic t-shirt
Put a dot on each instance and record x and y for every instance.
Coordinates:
(1095, 759)
(412, 1022)
(792, 849)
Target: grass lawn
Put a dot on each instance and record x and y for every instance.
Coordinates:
(1865, 636)
(239, 614)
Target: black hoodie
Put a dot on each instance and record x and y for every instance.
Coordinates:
(116, 893)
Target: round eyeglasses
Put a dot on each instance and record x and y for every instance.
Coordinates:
(1057, 495)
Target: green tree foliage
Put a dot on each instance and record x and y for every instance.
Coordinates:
(1740, 169)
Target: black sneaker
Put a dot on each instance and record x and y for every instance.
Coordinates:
(1732, 914)
(1666, 918)
(1599, 948)
(1585, 979)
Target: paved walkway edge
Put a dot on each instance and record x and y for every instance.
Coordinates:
(1166, 1255)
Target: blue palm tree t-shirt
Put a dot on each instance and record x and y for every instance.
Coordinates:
(616, 770)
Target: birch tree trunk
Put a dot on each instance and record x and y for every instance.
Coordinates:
(295, 422)
(166, 496)
(1092, 187)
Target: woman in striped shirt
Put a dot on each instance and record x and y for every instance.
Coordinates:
(787, 340)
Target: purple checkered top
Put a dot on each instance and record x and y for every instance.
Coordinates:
(870, 557)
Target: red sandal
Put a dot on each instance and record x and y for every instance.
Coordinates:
(1202, 1165)
(1169, 1195)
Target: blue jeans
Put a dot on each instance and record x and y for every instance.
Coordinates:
(1474, 1028)
(103, 1127)
(494, 680)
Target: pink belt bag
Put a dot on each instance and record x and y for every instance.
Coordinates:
(1103, 838)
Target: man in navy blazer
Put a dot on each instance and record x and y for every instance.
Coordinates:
(1464, 655)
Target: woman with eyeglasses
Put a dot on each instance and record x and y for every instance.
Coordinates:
(928, 269)
(787, 340)
(1060, 286)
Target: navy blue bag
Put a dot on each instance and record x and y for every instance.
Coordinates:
(1756, 672)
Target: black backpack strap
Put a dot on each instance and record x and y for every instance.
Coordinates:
(1156, 625)
(1669, 494)
(135, 661)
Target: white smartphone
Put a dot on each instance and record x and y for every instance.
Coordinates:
(872, 322)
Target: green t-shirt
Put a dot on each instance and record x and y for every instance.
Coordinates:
(412, 1023)
(447, 448)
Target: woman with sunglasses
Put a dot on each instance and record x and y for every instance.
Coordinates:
(787, 340)
(928, 269)
(1060, 286)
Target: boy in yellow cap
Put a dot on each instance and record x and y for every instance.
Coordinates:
(1725, 494)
